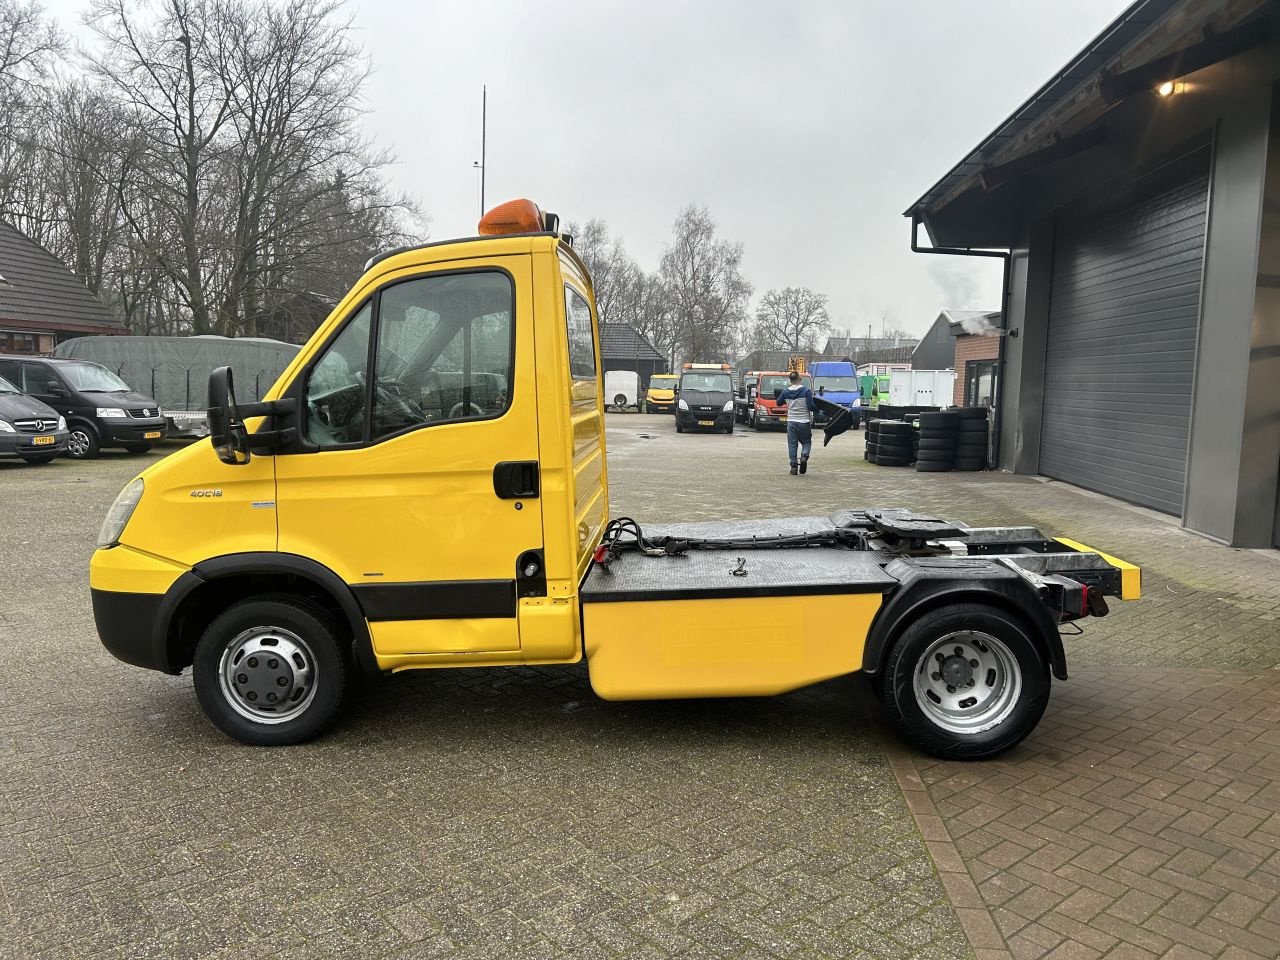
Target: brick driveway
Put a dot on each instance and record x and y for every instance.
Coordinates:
(509, 813)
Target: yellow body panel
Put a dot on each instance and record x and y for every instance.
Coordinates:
(1130, 575)
(125, 570)
(195, 507)
(736, 647)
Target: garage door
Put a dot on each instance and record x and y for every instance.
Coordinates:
(1123, 313)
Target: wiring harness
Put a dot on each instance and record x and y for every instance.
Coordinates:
(624, 534)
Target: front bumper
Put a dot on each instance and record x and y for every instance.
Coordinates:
(133, 431)
(660, 406)
(126, 625)
(705, 420)
(24, 444)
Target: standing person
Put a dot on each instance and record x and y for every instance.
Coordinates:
(799, 401)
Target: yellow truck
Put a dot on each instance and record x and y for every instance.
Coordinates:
(660, 397)
(426, 487)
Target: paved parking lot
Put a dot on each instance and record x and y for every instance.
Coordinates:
(509, 813)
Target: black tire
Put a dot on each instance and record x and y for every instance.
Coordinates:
(945, 419)
(892, 461)
(893, 428)
(138, 447)
(729, 429)
(892, 450)
(971, 413)
(1017, 681)
(620, 403)
(83, 443)
(933, 466)
(679, 429)
(933, 443)
(936, 454)
(308, 624)
(42, 458)
(969, 466)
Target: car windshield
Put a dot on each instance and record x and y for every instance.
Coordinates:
(92, 378)
(7, 387)
(706, 382)
(836, 383)
(662, 383)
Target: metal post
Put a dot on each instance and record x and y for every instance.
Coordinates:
(484, 127)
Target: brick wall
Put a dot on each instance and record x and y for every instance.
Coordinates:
(969, 347)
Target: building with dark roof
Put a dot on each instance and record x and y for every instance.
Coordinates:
(43, 303)
(622, 347)
(870, 349)
(1135, 200)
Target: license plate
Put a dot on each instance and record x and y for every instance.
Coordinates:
(706, 423)
(151, 435)
(41, 441)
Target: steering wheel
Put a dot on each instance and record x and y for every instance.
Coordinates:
(460, 411)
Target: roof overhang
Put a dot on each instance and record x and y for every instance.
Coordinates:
(1152, 41)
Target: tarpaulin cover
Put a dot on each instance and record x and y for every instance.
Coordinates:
(175, 370)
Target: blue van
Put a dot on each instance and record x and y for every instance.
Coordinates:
(837, 381)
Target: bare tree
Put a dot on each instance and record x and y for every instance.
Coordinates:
(706, 292)
(791, 318)
(28, 45)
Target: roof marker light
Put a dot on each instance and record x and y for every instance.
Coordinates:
(514, 216)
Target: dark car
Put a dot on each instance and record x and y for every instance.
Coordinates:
(28, 428)
(101, 410)
(705, 399)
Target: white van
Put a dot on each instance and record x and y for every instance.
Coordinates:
(621, 390)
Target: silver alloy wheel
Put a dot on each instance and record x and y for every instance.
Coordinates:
(268, 675)
(967, 682)
(78, 443)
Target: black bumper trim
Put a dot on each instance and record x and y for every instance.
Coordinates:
(126, 626)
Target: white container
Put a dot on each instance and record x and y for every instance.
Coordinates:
(921, 388)
(621, 389)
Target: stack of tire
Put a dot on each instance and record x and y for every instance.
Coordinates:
(872, 432)
(939, 436)
(895, 443)
(971, 440)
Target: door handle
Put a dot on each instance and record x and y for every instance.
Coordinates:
(516, 479)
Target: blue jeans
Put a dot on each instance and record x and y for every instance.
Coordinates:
(800, 434)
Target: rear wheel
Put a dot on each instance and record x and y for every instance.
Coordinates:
(269, 671)
(965, 682)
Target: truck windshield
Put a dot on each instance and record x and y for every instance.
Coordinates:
(707, 382)
(836, 383)
(662, 383)
(92, 378)
(769, 384)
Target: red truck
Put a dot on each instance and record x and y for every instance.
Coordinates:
(765, 411)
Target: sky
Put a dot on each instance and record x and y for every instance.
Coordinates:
(805, 127)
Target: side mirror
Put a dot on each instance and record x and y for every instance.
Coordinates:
(777, 395)
(822, 390)
(54, 389)
(226, 429)
(676, 388)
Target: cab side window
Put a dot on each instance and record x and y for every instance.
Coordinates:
(445, 351)
(336, 391)
(582, 348)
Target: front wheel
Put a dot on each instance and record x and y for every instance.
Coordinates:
(965, 682)
(269, 671)
(82, 442)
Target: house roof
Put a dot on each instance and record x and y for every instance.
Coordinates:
(622, 341)
(853, 345)
(980, 323)
(39, 291)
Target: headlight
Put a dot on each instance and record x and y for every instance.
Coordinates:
(682, 405)
(62, 423)
(7, 427)
(727, 407)
(119, 514)
(857, 403)
(111, 413)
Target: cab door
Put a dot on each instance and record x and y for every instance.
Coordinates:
(417, 476)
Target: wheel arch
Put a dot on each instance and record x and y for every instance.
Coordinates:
(922, 594)
(210, 585)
